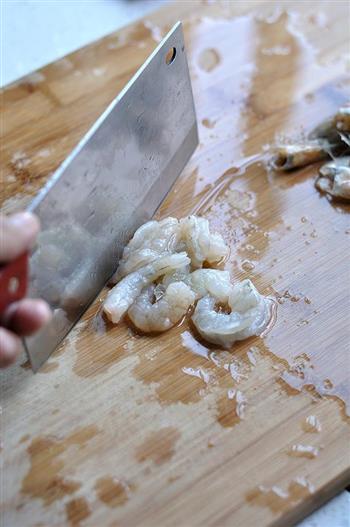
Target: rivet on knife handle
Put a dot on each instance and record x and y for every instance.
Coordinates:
(13, 281)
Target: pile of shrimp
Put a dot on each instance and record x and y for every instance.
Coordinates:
(329, 140)
(161, 276)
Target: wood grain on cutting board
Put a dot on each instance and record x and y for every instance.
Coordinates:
(122, 430)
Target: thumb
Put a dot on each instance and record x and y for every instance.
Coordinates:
(17, 234)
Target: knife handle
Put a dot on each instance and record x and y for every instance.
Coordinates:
(13, 281)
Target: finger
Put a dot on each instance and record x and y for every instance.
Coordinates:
(17, 234)
(10, 347)
(27, 316)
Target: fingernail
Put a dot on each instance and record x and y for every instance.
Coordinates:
(43, 311)
(25, 220)
(10, 346)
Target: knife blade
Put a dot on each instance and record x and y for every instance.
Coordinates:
(112, 182)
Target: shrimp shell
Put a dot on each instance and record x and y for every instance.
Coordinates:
(342, 119)
(326, 140)
(330, 127)
(288, 157)
(334, 178)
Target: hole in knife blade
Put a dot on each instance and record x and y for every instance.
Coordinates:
(170, 56)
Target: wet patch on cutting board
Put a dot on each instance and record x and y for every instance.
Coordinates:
(48, 367)
(189, 374)
(99, 345)
(45, 479)
(226, 412)
(262, 215)
(77, 510)
(45, 368)
(112, 492)
(159, 446)
(165, 369)
(278, 499)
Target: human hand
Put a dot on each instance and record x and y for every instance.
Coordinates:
(17, 234)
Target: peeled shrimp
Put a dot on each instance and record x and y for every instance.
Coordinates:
(151, 240)
(154, 252)
(200, 244)
(124, 294)
(180, 275)
(156, 238)
(164, 312)
(250, 315)
(211, 282)
(334, 178)
(203, 282)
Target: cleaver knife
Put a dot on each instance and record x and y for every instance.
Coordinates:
(111, 183)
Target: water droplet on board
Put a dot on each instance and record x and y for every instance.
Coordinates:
(98, 72)
(241, 403)
(190, 343)
(247, 266)
(112, 492)
(308, 451)
(197, 372)
(312, 424)
(251, 354)
(276, 498)
(231, 393)
(235, 370)
(328, 385)
(208, 123)
(276, 50)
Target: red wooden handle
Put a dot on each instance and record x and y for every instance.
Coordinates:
(13, 281)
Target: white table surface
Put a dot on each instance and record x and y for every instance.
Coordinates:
(36, 32)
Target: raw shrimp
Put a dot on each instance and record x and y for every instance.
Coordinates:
(211, 282)
(165, 312)
(124, 294)
(160, 236)
(154, 252)
(203, 282)
(334, 178)
(200, 243)
(180, 275)
(157, 238)
(250, 315)
(151, 240)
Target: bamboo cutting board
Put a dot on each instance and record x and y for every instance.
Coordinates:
(122, 430)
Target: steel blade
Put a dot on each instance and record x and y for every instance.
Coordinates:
(112, 182)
